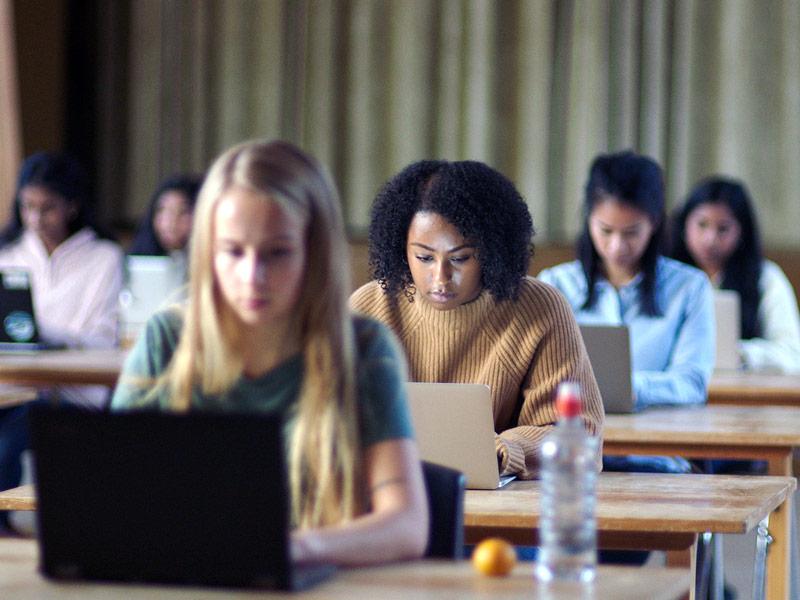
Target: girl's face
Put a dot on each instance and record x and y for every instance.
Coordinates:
(172, 220)
(620, 234)
(444, 266)
(259, 258)
(712, 235)
(46, 213)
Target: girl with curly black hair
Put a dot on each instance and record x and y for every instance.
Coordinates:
(450, 244)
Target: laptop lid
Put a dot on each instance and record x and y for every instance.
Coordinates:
(727, 311)
(454, 426)
(151, 283)
(609, 350)
(197, 499)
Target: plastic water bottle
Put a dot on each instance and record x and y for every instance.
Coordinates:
(567, 529)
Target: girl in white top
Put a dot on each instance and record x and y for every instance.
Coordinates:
(716, 230)
(76, 275)
(75, 280)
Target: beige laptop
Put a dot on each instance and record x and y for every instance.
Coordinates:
(151, 283)
(455, 428)
(727, 309)
(609, 350)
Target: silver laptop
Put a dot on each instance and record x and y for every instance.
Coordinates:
(455, 428)
(151, 283)
(609, 350)
(727, 309)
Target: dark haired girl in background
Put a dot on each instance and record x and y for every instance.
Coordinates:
(716, 230)
(450, 244)
(620, 278)
(75, 277)
(165, 227)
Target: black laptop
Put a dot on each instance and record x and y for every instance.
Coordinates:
(18, 330)
(195, 499)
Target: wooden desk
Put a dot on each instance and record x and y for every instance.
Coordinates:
(754, 389)
(651, 511)
(62, 367)
(18, 498)
(767, 433)
(422, 580)
(634, 510)
(14, 395)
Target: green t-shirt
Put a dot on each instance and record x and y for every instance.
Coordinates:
(382, 409)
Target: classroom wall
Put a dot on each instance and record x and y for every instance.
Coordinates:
(41, 67)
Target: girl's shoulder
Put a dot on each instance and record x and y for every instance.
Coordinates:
(568, 278)
(671, 269)
(771, 269)
(571, 269)
(162, 332)
(369, 296)
(370, 333)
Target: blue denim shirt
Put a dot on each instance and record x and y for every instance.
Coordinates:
(673, 354)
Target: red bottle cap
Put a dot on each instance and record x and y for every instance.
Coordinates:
(568, 400)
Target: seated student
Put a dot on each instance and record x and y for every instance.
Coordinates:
(266, 329)
(165, 227)
(716, 230)
(621, 278)
(75, 279)
(450, 244)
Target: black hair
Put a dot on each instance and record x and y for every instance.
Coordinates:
(637, 181)
(59, 174)
(742, 270)
(480, 202)
(146, 241)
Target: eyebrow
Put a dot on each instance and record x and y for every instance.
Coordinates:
(628, 228)
(456, 249)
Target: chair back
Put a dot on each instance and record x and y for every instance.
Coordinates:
(445, 488)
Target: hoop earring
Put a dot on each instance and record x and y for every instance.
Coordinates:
(409, 291)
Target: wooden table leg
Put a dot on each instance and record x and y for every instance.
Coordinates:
(780, 528)
(693, 569)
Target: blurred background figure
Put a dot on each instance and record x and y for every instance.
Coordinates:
(156, 267)
(165, 227)
(716, 230)
(75, 275)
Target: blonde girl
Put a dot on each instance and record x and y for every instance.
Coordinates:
(266, 329)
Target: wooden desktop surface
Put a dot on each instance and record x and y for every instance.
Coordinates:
(421, 580)
(754, 389)
(720, 431)
(18, 498)
(14, 395)
(638, 510)
(769, 433)
(62, 367)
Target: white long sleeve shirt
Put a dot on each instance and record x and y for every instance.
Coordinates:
(75, 294)
(778, 347)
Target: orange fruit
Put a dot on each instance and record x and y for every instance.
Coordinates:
(494, 557)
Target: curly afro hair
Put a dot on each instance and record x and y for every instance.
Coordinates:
(480, 202)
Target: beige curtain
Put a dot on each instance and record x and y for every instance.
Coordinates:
(535, 88)
(10, 142)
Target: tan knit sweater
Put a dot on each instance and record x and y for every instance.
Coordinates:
(521, 349)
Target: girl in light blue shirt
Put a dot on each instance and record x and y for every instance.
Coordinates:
(620, 277)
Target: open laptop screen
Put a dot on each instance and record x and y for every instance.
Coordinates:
(194, 498)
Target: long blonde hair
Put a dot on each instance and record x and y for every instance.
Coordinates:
(324, 451)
